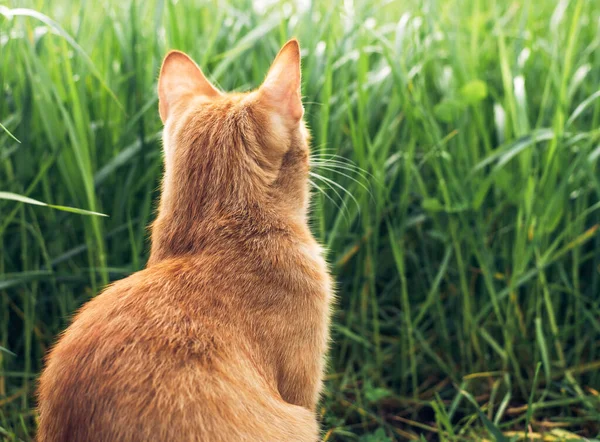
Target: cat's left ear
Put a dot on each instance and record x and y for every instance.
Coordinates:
(180, 77)
(281, 89)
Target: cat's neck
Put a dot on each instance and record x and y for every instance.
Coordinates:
(174, 236)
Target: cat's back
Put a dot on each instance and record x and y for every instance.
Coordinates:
(166, 340)
(156, 307)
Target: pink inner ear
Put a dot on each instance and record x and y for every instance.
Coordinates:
(180, 76)
(281, 89)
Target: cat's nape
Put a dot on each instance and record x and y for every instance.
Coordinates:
(223, 336)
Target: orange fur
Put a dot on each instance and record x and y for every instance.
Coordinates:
(223, 336)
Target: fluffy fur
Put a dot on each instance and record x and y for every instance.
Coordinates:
(223, 336)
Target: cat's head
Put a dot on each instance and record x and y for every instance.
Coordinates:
(229, 154)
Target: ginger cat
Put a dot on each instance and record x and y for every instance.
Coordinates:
(223, 336)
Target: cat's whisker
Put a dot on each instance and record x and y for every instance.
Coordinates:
(336, 159)
(333, 183)
(342, 166)
(325, 151)
(349, 177)
(337, 193)
(324, 156)
(324, 193)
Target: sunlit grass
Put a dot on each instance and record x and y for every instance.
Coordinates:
(456, 146)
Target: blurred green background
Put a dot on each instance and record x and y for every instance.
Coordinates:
(456, 145)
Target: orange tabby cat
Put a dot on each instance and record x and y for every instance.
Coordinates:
(223, 336)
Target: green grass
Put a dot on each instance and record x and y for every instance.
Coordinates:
(466, 131)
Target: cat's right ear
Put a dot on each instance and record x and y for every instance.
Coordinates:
(180, 77)
(281, 89)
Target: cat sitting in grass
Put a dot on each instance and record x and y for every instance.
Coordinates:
(223, 336)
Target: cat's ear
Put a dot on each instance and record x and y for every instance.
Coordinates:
(180, 77)
(281, 89)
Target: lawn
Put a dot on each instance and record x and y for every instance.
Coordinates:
(456, 189)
